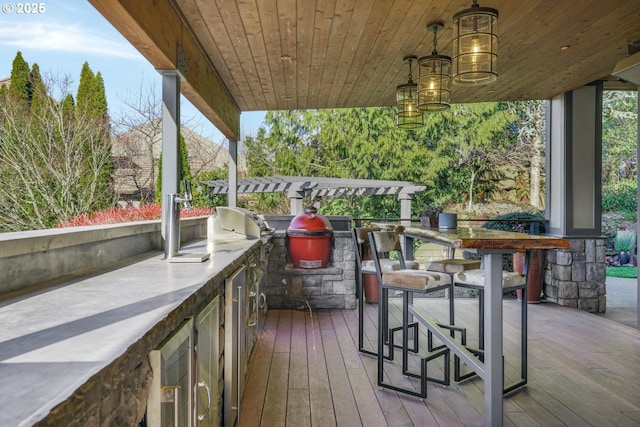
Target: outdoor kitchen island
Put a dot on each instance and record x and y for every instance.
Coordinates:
(78, 353)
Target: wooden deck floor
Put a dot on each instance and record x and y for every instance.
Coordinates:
(584, 370)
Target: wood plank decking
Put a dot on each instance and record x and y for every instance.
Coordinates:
(584, 370)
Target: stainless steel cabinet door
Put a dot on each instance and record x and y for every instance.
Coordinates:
(208, 356)
(170, 400)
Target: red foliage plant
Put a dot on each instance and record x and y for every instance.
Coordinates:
(118, 215)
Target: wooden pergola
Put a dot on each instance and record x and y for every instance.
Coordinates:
(298, 187)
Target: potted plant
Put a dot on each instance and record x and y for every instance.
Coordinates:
(624, 244)
(520, 222)
(429, 216)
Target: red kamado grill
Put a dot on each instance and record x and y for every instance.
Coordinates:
(310, 240)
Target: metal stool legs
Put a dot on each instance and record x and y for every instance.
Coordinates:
(423, 374)
(458, 376)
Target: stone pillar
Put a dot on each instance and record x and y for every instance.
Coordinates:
(576, 277)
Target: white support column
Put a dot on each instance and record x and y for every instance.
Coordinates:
(493, 364)
(232, 201)
(170, 138)
(574, 181)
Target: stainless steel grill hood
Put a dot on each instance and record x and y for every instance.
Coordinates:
(238, 223)
(628, 69)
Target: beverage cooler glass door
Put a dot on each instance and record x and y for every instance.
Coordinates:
(170, 397)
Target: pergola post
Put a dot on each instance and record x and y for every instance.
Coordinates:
(405, 217)
(170, 138)
(295, 202)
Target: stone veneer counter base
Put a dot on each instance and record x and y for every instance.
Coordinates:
(69, 344)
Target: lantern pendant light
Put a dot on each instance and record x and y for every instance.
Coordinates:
(409, 117)
(434, 81)
(475, 45)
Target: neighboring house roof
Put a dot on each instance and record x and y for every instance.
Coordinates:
(136, 155)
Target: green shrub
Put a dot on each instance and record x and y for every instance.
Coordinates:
(625, 240)
(510, 222)
(620, 196)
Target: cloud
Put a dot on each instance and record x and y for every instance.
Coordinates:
(64, 38)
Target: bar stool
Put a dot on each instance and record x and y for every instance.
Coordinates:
(407, 281)
(451, 266)
(367, 267)
(511, 281)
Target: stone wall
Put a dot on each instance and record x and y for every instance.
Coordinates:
(577, 277)
(331, 287)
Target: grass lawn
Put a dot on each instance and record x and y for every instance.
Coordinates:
(625, 272)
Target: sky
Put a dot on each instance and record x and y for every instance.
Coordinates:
(67, 33)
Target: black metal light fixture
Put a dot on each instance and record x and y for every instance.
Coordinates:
(409, 116)
(475, 45)
(434, 81)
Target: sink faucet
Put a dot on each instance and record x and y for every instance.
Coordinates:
(172, 225)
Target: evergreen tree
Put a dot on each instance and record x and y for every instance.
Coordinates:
(91, 97)
(86, 91)
(20, 75)
(39, 96)
(35, 78)
(99, 98)
(454, 154)
(68, 106)
(91, 104)
(184, 170)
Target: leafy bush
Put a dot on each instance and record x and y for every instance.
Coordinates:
(515, 221)
(625, 240)
(119, 215)
(201, 195)
(620, 196)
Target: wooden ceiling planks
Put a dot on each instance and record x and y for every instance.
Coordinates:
(247, 24)
(305, 23)
(298, 54)
(345, 74)
(360, 68)
(324, 12)
(331, 78)
(203, 19)
(390, 38)
(288, 54)
(265, 14)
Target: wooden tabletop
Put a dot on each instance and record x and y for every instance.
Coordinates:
(480, 238)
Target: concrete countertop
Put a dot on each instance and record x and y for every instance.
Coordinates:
(52, 341)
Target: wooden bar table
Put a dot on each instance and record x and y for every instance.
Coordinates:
(491, 244)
